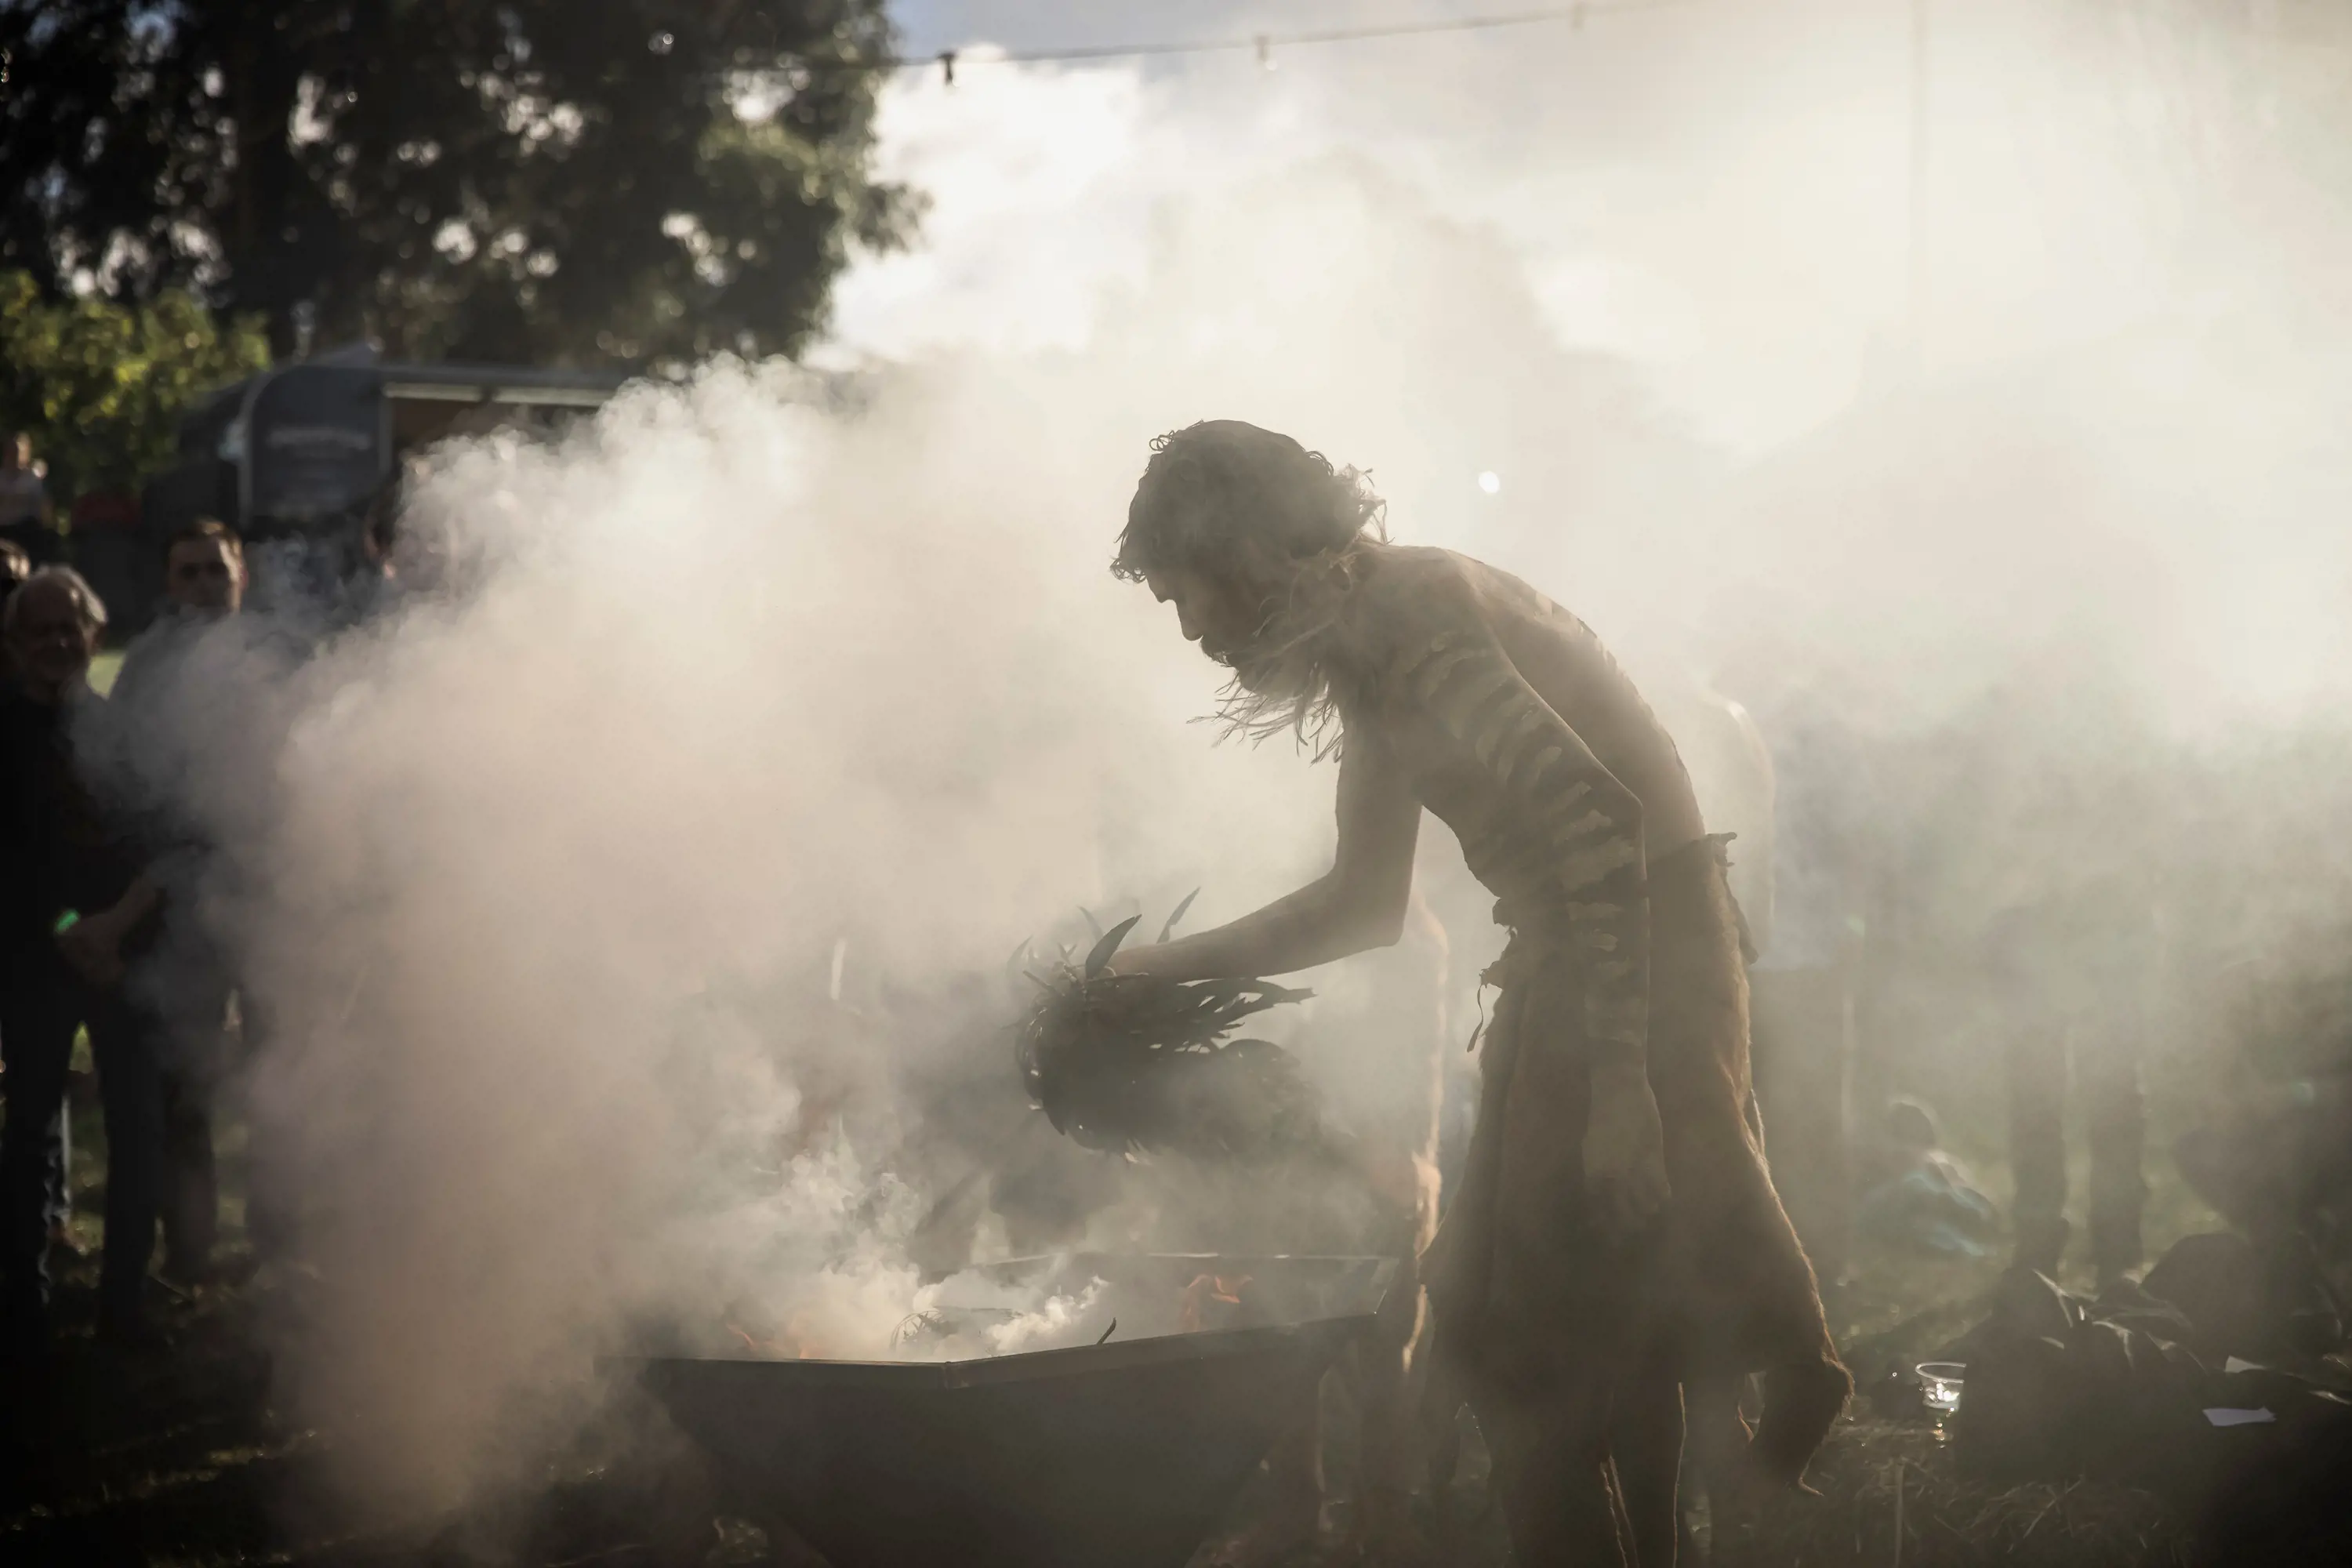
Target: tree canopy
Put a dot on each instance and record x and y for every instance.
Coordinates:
(100, 386)
(527, 180)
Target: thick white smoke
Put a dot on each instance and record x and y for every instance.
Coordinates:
(760, 670)
(562, 858)
(755, 669)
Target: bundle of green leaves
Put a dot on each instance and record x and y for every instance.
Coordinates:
(1134, 1063)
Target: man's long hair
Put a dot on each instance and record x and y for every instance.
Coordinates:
(1252, 507)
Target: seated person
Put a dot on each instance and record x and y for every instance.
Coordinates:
(1915, 1195)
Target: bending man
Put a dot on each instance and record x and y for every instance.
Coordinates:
(1616, 1233)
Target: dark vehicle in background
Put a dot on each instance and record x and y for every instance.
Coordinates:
(297, 457)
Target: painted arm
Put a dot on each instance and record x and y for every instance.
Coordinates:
(1359, 904)
(1582, 828)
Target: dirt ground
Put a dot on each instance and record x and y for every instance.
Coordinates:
(183, 1455)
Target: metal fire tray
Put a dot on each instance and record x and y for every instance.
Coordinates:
(1121, 1454)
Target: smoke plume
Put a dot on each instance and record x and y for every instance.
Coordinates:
(630, 895)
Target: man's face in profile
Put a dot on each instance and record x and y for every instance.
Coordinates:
(205, 576)
(1212, 610)
(1203, 612)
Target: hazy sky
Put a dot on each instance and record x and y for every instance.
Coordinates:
(1718, 188)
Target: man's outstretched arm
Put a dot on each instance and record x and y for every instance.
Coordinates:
(1360, 903)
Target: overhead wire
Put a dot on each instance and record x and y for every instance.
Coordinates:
(1264, 44)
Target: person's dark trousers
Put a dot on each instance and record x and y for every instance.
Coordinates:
(272, 1207)
(191, 1185)
(2114, 1103)
(131, 1094)
(2037, 1142)
(2107, 1077)
(58, 1158)
(180, 992)
(37, 1052)
(40, 1006)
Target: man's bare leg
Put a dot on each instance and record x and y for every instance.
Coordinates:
(1645, 1437)
(1293, 1515)
(1718, 1436)
(1802, 1400)
(1437, 1405)
(1392, 1374)
(1553, 1478)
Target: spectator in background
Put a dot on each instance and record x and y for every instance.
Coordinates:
(204, 573)
(2066, 918)
(375, 585)
(27, 521)
(15, 567)
(2272, 1152)
(71, 899)
(1915, 1196)
(2077, 966)
(166, 710)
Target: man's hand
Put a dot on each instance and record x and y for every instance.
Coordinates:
(1624, 1151)
(93, 948)
(93, 944)
(1135, 960)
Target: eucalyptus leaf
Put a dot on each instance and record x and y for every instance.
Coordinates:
(1177, 914)
(1109, 945)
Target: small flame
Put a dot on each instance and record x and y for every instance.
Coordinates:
(1203, 1289)
(783, 1347)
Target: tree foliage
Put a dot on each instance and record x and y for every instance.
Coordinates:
(101, 385)
(535, 180)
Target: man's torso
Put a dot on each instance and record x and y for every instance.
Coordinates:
(1560, 658)
(21, 495)
(61, 850)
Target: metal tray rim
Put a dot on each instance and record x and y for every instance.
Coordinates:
(1062, 1360)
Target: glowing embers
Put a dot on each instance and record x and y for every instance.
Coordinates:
(1204, 1296)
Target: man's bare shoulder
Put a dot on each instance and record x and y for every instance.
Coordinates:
(1415, 583)
(1422, 589)
(1412, 600)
